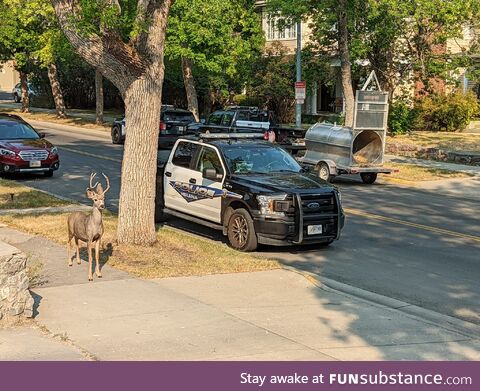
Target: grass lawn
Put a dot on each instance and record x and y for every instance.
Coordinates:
(411, 172)
(175, 253)
(24, 197)
(442, 140)
(72, 119)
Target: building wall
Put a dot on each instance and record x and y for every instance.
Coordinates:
(9, 77)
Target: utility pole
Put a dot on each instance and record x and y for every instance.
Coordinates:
(298, 106)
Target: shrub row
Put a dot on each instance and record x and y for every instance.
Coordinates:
(438, 113)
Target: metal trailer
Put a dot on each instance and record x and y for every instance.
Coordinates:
(335, 150)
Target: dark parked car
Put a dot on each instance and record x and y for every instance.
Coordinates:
(22, 149)
(173, 124)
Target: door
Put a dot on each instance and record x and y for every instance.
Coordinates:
(208, 190)
(177, 176)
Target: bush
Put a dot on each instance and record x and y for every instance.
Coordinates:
(401, 118)
(446, 113)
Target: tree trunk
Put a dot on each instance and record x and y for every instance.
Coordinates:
(25, 96)
(56, 90)
(345, 66)
(137, 196)
(98, 97)
(190, 90)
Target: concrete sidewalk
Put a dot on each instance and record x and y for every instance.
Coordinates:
(273, 315)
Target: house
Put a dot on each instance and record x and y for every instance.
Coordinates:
(9, 77)
(325, 98)
(321, 97)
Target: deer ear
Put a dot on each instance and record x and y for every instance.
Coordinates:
(99, 189)
(90, 193)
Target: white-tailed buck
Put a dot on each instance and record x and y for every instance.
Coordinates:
(88, 227)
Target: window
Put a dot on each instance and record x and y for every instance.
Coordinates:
(227, 119)
(215, 118)
(277, 27)
(209, 159)
(178, 116)
(184, 154)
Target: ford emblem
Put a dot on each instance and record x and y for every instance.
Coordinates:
(313, 205)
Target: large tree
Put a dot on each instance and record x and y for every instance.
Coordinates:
(214, 40)
(128, 49)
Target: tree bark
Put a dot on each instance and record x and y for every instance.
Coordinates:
(137, 195)
(98, 97)
(56, 90)
(25, 95)
(190, 90)
(345, 66)
(137, 70)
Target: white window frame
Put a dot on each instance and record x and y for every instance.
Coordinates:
(273, 33)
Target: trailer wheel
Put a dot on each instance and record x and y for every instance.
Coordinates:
(368, 177)
(324, 172)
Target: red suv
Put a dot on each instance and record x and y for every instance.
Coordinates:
(22, 149)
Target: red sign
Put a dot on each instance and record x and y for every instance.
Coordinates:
(300, 91)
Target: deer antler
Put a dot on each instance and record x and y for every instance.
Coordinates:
(92, 175)
(108, 183)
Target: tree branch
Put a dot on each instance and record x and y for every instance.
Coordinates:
(117, 61)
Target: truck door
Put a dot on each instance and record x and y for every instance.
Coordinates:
(209, 191)
(178, 173)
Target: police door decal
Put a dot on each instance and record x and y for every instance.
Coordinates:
(191, 192)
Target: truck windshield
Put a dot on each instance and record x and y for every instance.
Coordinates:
(259, 159)
(11, 130)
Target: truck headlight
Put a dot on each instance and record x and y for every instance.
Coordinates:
(339, 193)
(6, 152)
(273, 205)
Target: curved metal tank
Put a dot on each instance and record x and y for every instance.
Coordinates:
(344, 146)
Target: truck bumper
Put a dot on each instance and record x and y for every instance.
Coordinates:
(285, 232)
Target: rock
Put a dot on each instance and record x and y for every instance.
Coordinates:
(15, 297)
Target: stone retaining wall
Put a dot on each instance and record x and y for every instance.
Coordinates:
(15, 298)
(432, 153)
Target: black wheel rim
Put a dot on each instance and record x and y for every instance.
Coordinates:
(240, 231)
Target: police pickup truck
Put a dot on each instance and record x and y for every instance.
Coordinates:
(251, 190)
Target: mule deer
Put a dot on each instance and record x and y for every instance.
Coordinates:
(88, 227)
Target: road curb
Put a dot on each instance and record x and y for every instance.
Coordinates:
(468, 329)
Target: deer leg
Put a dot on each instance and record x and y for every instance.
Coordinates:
(89, 250)
(69, 243)
(79, 261)
(97, 259)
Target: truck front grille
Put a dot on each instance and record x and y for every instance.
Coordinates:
(317, 209)
(34, 155)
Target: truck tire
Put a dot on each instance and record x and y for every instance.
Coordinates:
(116, 135)
(241, 231)
(324, 172)
(368, 177)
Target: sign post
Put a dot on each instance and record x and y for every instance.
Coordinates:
(300, 92)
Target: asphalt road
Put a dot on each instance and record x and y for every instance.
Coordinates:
(415, 246)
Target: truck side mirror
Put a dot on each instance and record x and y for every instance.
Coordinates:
(42, 134)
(211, 174)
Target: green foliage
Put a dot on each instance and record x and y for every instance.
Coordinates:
(446, 113)
(221, 38)
(400, 118)
(272, 82)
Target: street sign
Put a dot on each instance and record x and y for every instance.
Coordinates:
(300, 91)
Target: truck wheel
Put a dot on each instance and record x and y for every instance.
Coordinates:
(241, 232)
(324, 172)
(368, 177)
(116, 135)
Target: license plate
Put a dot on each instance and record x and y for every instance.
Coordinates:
(181, 129)
(35, 163)
(314, 229)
